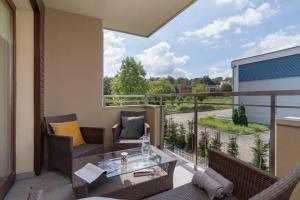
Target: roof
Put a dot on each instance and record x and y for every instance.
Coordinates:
(266, 56)
(138, 17)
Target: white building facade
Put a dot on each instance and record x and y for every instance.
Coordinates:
(278, 70)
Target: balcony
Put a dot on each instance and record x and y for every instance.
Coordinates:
(53, 65)
(192, 154)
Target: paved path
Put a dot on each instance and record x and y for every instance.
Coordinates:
(184, 117)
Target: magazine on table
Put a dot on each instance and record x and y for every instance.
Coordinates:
(91, 172)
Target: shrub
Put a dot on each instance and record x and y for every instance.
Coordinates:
(232, 147)
(189, 137)
(239, 116)
(216, 141)
(180, 141)
(260, 152)
(203, 143)
(242, 116)
(235, 116)
(171, 132)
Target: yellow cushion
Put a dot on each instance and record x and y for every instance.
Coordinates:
(70, 128)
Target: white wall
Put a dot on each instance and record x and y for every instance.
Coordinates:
(260, 114)
(24, 91)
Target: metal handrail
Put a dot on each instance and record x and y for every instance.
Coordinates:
(273, 106)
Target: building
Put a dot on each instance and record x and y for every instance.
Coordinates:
(212, 88)
(279, 70)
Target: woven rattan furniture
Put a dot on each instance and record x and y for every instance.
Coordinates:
(249, 182)
(121, 143)
(124, 185)
(60, 148)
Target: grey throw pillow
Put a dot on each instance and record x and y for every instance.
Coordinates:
(133, 127)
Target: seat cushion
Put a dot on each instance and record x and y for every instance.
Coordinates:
(185, 192)
(87, 150)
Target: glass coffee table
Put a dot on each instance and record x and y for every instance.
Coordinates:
(121, 183)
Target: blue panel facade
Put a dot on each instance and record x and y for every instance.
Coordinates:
(283, 67)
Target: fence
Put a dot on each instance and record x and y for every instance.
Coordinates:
(270, 99)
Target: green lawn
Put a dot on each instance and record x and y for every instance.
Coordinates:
(228, 126)
(173, 107)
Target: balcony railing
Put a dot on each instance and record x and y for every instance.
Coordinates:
(267, 105)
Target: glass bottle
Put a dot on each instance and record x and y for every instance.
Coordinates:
(146, 146)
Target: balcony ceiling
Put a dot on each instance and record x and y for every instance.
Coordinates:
(139, 17)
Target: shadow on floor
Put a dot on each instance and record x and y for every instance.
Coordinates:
(57, 186)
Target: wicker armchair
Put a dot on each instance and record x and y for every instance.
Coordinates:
(60, 148)
(120, 143)
(249, 182)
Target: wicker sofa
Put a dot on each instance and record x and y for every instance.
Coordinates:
(249, 182)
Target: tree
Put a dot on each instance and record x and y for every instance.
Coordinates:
(189, 137)
(171, 79)
(228, 79)
(216, 141)
(203, 143)
(260, 152)
(217, 80)
(199, 88)
(107, 85)
(130, 79)
(226, 87)
(242, 115)
(182, 80)
(233, 147)
(180, 142)
(208, 81)
(197, 81)
(161, 87)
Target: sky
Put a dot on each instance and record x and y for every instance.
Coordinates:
(206, 37)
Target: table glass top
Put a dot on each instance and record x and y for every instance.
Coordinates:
(135, 161)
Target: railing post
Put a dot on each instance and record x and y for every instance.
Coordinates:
(162, 123)
(272, 134)
(104, 100)
(195, 138)
(146, 101)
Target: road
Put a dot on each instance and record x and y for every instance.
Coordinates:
(184, 117)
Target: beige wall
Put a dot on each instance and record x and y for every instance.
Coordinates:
(287, 148)
(24, 91)
(73, 70)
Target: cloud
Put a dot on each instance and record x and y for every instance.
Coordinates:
(251, 17)
(220, 68)
(220, 72)
(273, 42)
(238, 31)
(248, 44)
(114, 52)
(159, 60)
(236, 3)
